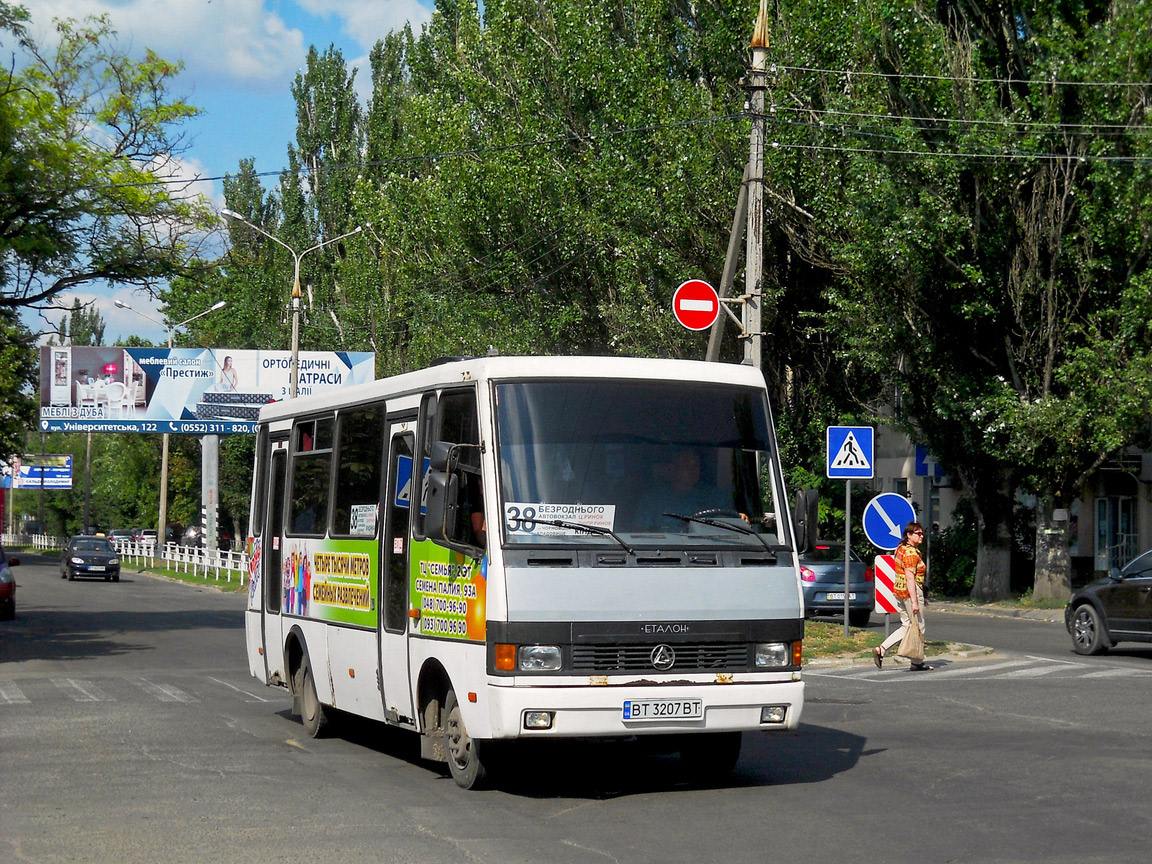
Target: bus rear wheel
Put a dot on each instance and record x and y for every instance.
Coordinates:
(312, 713)
(464, 752)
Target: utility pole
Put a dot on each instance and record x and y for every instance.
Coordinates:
(754, 248)
(738, 223)
(749, 217)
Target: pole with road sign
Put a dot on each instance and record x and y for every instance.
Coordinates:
(850, 455)
(885, 518)
(696, 304)
(884, 521)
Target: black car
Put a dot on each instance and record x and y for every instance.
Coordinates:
(90, 556)
(1117, 608)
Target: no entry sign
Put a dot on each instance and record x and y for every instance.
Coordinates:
(696, 304)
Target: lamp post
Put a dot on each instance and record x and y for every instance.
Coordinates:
(296, 295)
(163, 526)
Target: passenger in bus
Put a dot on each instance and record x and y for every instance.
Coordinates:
(475, 510)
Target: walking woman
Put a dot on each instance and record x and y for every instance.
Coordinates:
(909, 589)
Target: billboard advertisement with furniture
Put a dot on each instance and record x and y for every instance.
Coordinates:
(195, 391)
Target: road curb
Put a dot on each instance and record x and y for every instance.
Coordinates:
(1052, 616)
(956, 651)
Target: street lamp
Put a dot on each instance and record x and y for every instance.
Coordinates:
(296, 256)
(163, 526)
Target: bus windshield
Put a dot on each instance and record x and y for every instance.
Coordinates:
(662, 461)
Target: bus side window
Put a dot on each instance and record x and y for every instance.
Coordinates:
(359, 457)
(426, 426)
(310, 477)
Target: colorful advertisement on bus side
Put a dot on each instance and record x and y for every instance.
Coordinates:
(331, 580)
(449, 590)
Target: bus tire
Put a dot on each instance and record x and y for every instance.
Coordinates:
(710, 756)
(465, 753)
(312, 712)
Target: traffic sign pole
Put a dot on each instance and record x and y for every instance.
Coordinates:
(847, 547)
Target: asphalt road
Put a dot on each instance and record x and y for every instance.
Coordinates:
(130, 731)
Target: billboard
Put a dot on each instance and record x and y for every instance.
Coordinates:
(39, 471)
(192, 391)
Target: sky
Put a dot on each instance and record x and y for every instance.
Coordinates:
(240, 57)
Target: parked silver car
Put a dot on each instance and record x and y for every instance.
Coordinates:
(822, 578)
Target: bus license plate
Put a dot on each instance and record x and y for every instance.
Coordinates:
(663, 709)
(840, 596)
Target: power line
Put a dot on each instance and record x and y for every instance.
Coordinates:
(1052, 82)
(943, 154)
(574, 138)
(1027, 125)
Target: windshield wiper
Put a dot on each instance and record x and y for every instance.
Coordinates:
(727, 526)
(587, 529)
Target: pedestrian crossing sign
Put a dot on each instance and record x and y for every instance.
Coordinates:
(850, 452)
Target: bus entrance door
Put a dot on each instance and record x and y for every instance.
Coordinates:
(402, 495)
(271, 574)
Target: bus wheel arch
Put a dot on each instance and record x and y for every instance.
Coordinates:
(431, 692)
(295, 658)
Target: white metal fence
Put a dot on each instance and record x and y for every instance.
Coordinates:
(217, 563)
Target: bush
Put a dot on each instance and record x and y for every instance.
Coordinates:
(952, 567)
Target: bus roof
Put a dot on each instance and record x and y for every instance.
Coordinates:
(490, 368)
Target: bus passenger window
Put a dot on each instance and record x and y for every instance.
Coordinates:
(359, 455)
(311, 465)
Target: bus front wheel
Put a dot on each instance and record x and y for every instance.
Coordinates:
(464, 752)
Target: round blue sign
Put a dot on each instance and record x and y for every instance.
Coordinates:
(885, 518)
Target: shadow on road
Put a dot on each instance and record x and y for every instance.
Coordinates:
(606, 769)
(37, 634)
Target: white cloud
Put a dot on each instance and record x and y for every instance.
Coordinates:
(222, 42)
(367, 21)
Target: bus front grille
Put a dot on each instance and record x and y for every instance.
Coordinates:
(692, 656)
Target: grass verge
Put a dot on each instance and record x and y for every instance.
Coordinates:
(204, 580)
(825, 639)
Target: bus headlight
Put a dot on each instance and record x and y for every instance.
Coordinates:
(538, 658)
(771, 655)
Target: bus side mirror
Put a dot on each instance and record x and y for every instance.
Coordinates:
(804, 518)
(444, 456)
(440, 517)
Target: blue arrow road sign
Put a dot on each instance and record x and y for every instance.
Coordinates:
(885, 518)
(849, 452)
(926, 464)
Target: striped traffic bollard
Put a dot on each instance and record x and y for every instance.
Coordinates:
(886, 589)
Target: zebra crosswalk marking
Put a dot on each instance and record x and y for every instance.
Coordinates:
(164, 692)
(81, 691)
(10, 694)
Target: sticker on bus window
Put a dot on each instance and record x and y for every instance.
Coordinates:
(536, 519)
(363, 521)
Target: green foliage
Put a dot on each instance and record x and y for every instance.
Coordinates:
(953, 554)
(19, 366)
(85, 131)
(82, 325)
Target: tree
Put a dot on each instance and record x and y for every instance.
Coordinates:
(19, 367)
(83, 325)
(88, 137)
(983, 216)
